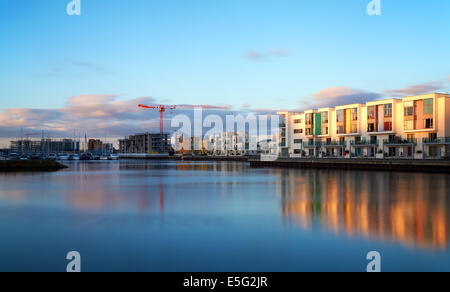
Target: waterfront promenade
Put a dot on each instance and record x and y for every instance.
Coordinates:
(431, 166)
(408, 165)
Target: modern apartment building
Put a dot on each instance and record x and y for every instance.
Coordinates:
(412, 127)
(145, 143)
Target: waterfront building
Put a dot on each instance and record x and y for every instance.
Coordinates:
(411, 127)
(232, 143)
(145, 143)
(43, 146)
(95, 145)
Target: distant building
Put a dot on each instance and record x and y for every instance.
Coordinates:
(145, 143)
(95, 145)
(44, 146)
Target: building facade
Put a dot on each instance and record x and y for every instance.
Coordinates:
(44, 146)
(145, 143)
(412, 127)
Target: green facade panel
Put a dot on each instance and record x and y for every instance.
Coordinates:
(317, 124)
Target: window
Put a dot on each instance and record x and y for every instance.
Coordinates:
(371, 112)
(354, 114)
(297, 151)
(340, 130)
(428, 123)
(371, 128)
(388, 126)
(298, 121)
(298, 141)
(409, 111)
(308, 131)
(309, 118)
(324, 117)
(340, 116)
(388, 110)
(353, 129)
(298, 131)
(325, 131)
(409, 125)
(428, 106)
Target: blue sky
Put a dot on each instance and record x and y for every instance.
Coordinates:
(262, 54)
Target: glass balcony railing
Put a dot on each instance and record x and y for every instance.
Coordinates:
(399, 140)
(364, 142)
(333, 143)
(312, 144)
(436, 140)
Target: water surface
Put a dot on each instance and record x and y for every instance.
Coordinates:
(222, 216)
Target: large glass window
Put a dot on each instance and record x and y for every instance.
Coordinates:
(428, 106)
(388, 110)
(340, 130)
(309, 118)
(340, 116)
(409, 111)
(371, 112)
(324, 117)
(428, 123)
(308, 131)
(354, 114)
(371, 127)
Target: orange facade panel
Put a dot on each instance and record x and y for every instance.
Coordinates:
(419, 115)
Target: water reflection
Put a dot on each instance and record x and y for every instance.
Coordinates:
(412, 209)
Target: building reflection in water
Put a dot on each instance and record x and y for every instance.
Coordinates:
(413, 209)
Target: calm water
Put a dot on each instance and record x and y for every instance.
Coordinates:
(204, 216)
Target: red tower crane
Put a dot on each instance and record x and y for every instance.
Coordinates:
(163, 108)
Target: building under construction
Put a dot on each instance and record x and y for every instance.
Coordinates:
(145, 143)
(27, 146)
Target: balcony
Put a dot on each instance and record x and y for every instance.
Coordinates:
(311, 144)
(333, 143)
(364, 142)
(436, 140)
(399, 141)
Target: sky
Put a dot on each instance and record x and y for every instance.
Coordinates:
(61, 73)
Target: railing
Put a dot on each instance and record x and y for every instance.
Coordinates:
(399, 140)
(364, 142)
(312, 144)
(436, 140)
(333, 143)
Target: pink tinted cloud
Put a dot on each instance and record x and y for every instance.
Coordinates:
(96, 115)
(339, 95)
(415, 89)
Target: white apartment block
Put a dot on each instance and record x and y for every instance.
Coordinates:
(412, 127)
